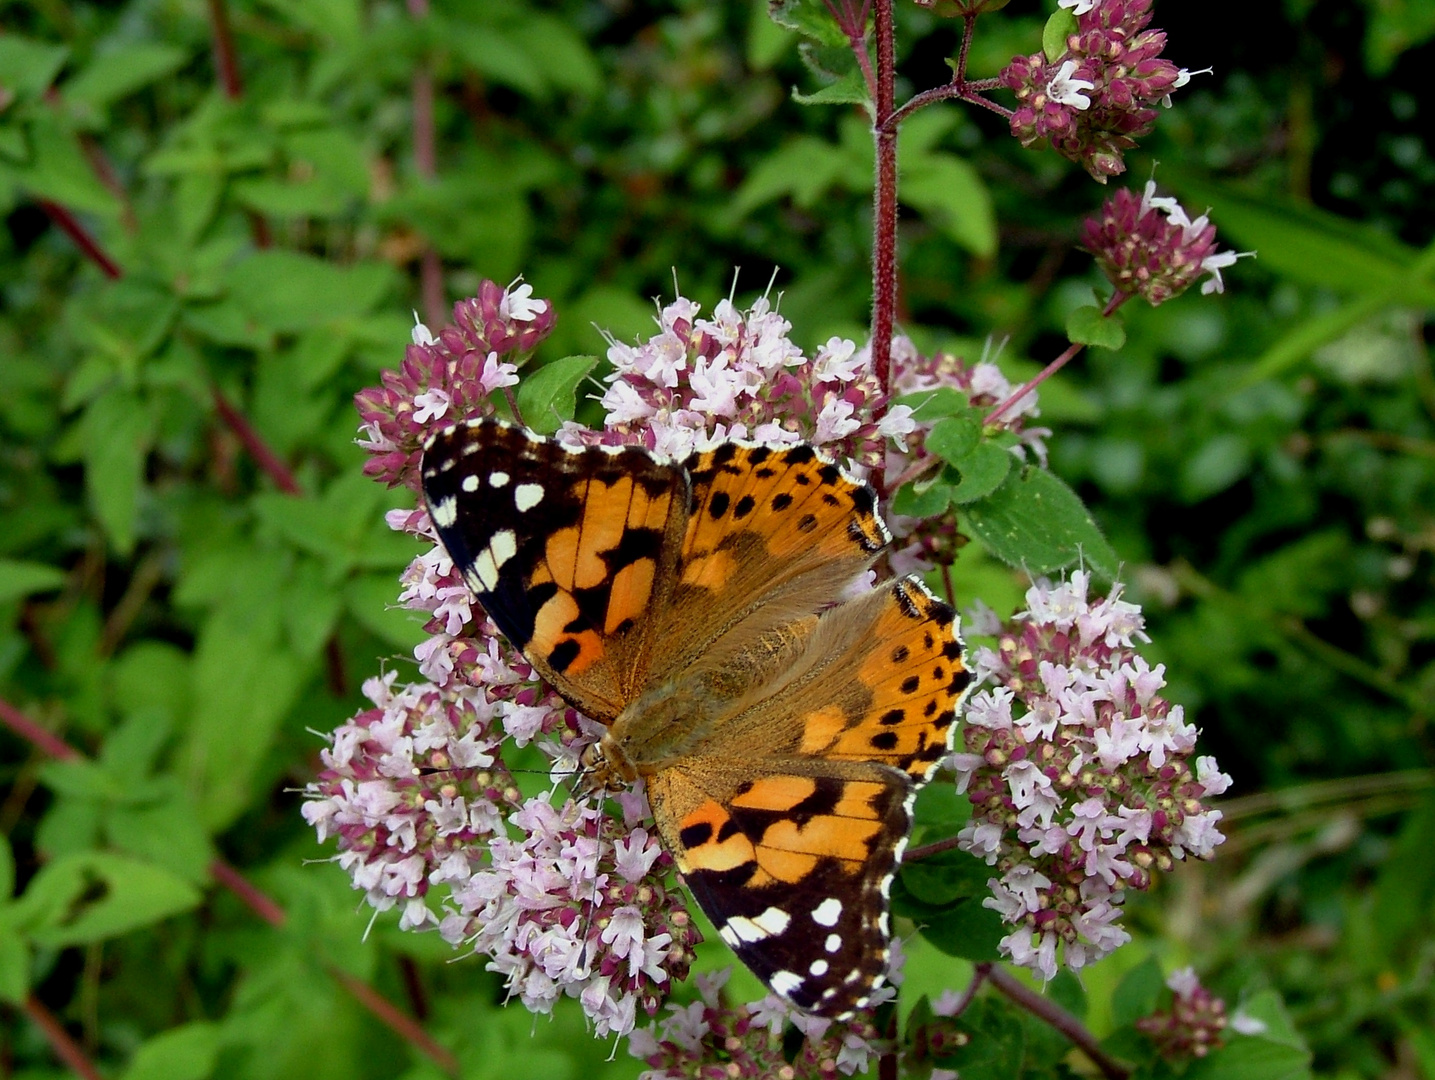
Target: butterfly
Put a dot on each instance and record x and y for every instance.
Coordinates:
(695, 608)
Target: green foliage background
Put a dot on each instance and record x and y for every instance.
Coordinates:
(1263, 463)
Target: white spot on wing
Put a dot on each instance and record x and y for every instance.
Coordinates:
(817, 967)
(504, 546)
(728, 934)
(828, 912)
(744, 929)
(498, 479)
(445, 513)
(834, 942)
(527, 496)
(485, 570)
(785, 982)
(470, 483)
(773, 920)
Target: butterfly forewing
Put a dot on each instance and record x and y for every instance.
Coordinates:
(568, 550)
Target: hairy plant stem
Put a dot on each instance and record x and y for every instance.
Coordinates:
(884, 208)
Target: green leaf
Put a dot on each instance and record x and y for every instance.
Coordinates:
(1086, 325)
(1267, 1007)
(804, 168)
(928, 405)
(850, 88)
(955, 437)
(116, 430)
(968, 930)
(1138, 992)
(499, 57)
(369, 600)
(1216, 465)
(1066, 990)
(288, 292)
(94, 895)
(27, 68)
(1058, 28)
(187, 1052)
(14, 965)
(982, 472)
(923, 498)
(812, 18)
(952, 196)
(168, 834)
(7, 870)
(547, 396)
(1036, 522)
(243, 686)
(19, 579)
(60, 172)
(1251, 1059)
(120, 72)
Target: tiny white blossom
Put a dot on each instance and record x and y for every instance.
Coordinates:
(1077, 7)
(421, 334)
(1066, 90)
(518, 305)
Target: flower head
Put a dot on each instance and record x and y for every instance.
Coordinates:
(448, 377)
(1149, 247)
(1078, 774)
(1194, 1023)
(1093, 102)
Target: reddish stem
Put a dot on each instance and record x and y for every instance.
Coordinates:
(226, 63)
(936, 847)
(405, 1026)
(42, 739)
(87, 244)
(258, 449)
(1041, 377)
(1051, 1013)
(1056, 365)
(66, 1048)
(884, 241)
(255, 900)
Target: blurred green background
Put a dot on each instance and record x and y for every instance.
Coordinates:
(1263, 462)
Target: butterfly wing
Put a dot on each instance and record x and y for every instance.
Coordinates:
(792, 864)
(568, 550)
(791, 846)
(773, 534)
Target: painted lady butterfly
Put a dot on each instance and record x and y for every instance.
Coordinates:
(691, 607)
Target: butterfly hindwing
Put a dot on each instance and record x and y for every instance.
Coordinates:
(569, 550)
(793, 868)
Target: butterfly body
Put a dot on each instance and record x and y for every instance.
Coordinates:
(694, 608)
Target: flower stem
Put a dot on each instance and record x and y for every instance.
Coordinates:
(65, 1048)
(1051, 1013)
(1041, 377)
(87, 244)
(884, 208)
(259, 450)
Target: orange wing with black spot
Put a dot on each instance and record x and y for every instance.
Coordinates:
(789, 830)
(569, 550)
(772, 533)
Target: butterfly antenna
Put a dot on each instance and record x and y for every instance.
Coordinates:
(732, 289)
